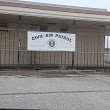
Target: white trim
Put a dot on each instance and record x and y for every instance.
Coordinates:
(53, 14)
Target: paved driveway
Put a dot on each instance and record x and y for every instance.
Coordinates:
(69, 92)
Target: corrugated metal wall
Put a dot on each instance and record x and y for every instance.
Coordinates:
(89, 49)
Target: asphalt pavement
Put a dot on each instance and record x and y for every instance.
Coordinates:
(66, 92)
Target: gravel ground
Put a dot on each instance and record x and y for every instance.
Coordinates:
(54, 90)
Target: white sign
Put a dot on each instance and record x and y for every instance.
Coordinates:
(50, 41)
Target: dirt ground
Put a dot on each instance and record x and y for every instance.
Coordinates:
(52, 73)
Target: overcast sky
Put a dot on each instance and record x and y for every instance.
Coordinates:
(83, 3)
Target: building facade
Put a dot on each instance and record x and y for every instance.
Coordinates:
(89, 25)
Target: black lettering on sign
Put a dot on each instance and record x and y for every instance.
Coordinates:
(41, 36)
(56, 35)
(70, 40)
(64, 37)
(33, 38)
(49, 35)
(46, 35)
(37, 37)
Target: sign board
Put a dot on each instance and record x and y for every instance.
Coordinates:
(50, 41)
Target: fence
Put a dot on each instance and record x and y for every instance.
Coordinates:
(90, 52)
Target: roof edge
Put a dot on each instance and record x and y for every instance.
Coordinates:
(10, 3)
(55, 5)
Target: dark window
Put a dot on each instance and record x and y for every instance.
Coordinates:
(63, 29)
(43, 28)
(3, 25)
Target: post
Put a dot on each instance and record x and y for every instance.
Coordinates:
(74, 32)
(19, 42)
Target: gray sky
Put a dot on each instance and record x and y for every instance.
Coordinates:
(83, 3)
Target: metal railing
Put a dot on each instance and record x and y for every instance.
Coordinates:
(87, 55)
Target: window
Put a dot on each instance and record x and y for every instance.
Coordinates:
(43, 28)
(63, 29)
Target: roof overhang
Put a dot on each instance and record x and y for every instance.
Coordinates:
(53, 12)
